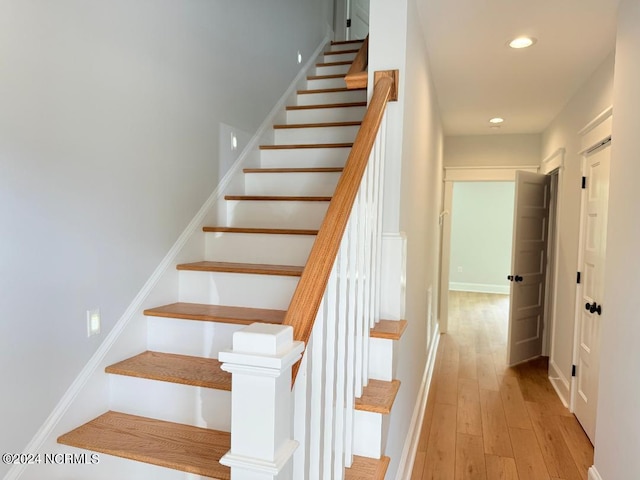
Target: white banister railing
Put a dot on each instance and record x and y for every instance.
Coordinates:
(333, 309)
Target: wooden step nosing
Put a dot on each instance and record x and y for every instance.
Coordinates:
(333, 64)
(268, 231)
(345, 42)
(320, 91)
(284, 126)
(326, 105)
(395, 334)
(340, 52)
(295, 170)
(242, 268)
(368, 403)
(217, 313)
(326, 77)
(306, 146)
(277, 198)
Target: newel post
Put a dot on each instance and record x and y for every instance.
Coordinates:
(260, 363)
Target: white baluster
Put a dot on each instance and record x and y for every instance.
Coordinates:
(341, 373)
(330, 366)
(317, 386)
(351, 337)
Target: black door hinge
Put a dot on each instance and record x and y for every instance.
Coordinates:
(578, 279)
(584, 182)
(573, 370)
(348, 22)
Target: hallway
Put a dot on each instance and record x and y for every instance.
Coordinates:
(485, 421)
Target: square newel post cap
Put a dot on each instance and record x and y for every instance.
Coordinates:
(263, 345)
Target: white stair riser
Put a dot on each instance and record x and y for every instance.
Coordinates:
(319, 115)
(237, 289)
(332, 97)
(346, 46)
(332, 69)
(258, 248)
(171, 402)
(297, 136)
(339, 57)
(276, 214)
(304, 157)
(319, 83)
(381, 359)
(369, 432)
(313, 183)
(189, 337)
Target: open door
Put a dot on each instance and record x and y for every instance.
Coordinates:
(528, 266)
(359, 16)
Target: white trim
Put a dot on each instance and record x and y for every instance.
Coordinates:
(445, 257)
(479, 287)
(553, 162)
(168, 262)
(259, 465)
(410, 449)
(485, 174)
(600, 118)
(593, 474)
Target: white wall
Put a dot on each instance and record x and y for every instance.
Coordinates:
(491, 150)
(481, 235)
(618, 423)
(109, 144)
(591, 99)
(415, 173)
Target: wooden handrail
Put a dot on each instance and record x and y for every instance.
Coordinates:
(313, 282)
(358, 76)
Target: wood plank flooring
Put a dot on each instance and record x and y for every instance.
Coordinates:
(485, 421)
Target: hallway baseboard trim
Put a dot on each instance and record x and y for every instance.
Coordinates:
(410, 449)
(94, 364)
(593, 474)
(559, 383)
(479, 288)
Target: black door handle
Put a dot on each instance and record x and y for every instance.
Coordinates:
(510, 278)
(518, 278)
(593, 308)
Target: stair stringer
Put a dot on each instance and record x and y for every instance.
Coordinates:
(88, 396)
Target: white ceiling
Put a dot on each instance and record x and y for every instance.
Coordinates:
(477, 77)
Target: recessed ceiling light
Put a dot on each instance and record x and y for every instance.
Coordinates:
(522, 42)
(496, 120)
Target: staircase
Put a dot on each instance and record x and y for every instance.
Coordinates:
(170, 405)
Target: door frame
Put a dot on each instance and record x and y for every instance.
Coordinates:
(463, 174)
(594, 134)
(340, 15)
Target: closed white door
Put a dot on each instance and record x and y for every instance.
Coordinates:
(528, 266)
(590, 317)
(359, 19)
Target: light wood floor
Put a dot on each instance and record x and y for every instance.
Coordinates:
(486, 421)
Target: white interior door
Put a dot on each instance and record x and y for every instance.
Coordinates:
(528, 266)
(592, 279)
(359, 19)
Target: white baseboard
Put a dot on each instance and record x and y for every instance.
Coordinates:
(413, 436)
(94, 365)
(479, 288)
(559, 383)
(593, 474)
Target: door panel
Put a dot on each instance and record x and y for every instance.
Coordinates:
(359, 19)
(592, 268)
(528, 264)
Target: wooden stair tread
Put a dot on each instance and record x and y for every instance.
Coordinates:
(333, 64)
(295, 170)
(364, 468)
(317, 125)
(251, 268)
(274, 231)
(329, 90)
(390, 329)
(326, 77)
(278, 198)
(327, 105)
(169, 367)
(217, 313)
(173, 445)
(306, 145)
(338, 52)
(345, 42)
(378, 396)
